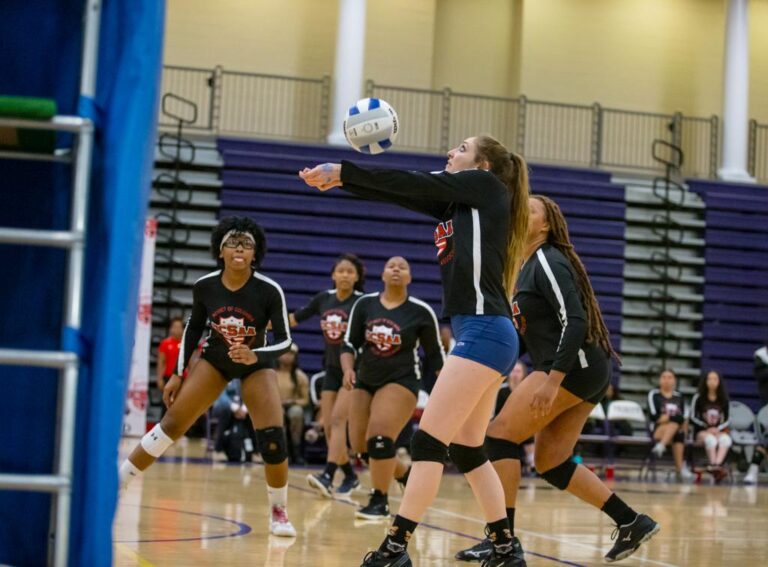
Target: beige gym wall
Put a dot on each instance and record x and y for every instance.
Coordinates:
(758, 60)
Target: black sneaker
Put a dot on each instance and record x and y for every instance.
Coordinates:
(513, 560)
(376, 559)
(347, 486)
(377, 508)
(322, 483)
(484, 550)
(630, 537)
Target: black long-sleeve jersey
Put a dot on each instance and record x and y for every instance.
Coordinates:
(673, 406)
(473, 207)
(549, 316)
(390, 339)
(334, 316)
(233, 317)
(705, 413)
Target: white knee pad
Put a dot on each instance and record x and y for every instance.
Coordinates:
(155, 442)
(710, 441)
(725, 440)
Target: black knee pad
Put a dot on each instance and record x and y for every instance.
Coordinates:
(272, 445)
(381, 447)
(467, 458)
(679, 437)
(560, 476)
(424, 447)
(500, 449)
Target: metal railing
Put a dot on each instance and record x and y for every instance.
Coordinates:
(758, 151)
(275, 106)
(233, 102)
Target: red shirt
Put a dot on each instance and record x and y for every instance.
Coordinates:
(170, 347)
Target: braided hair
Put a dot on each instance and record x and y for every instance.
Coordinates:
(597, 332)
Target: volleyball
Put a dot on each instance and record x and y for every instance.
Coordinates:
(371, 126)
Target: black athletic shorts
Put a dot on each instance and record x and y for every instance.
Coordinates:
(590, 383)
(231, 370)
(333, 379)
(409, 383)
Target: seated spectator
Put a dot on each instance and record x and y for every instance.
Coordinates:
(667, 410)
(709, 415)
(235, 437)
(761, 372)
(294, 393)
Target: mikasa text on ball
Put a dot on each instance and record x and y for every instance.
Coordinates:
(371, 126)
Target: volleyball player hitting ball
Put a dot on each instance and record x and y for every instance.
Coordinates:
(558, 317)
(388, 327)
(481, 203)
(235, 303)
(333, 306)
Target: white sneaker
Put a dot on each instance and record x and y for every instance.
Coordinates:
(279, 524)
(751, 476)
(659, 449)
(686, 474)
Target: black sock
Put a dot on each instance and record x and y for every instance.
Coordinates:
(379, 495)
(399, 534)
(511, 518)
(618, 511)
(346, 468)
(330, 469)
(501, 537)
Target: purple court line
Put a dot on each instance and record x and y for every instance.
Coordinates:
(446, 530)
(243, 529)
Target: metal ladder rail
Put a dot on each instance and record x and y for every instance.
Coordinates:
(60, 483)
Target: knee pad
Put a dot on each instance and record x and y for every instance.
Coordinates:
(424, 447)
(272, 445)
(679, 437)
(295, 412)
(156, 442)
(560, 476)
(758, 457)
(500, 449)
(725, 441)
(710, 441)
(381, 447)
(467, 458)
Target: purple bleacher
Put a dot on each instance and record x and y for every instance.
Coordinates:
(307, 229)
(736, 281)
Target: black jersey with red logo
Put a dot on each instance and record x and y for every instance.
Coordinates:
(706, 413)
(334, 315)
(390, 339)
(233, 317)
(548, 314)
(473, 207)
(673, 406)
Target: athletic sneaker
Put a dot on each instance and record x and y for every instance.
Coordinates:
(659, 449)
(322, 483)
(513, 560)
(376, 559)
(484, 550)
(751, 476)
(279, 524)
(631, 536)
(376, 509)
(347, 486)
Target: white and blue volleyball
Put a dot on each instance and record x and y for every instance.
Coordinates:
(371, 126)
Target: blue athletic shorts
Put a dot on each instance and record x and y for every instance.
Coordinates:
(490, 340)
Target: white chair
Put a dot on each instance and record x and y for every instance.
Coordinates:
(744, 427)
(626, 410)
(597, 415)
(762, 424)
(315, 387)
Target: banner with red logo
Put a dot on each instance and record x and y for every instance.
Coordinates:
(135, 419)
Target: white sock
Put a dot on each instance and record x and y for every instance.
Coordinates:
(278, 496)
(127, 473)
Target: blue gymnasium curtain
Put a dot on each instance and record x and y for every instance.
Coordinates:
(41, 57)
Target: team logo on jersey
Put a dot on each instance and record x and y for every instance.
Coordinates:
(384, 337)
(518, 320)
(712, 417)
(334, 325)
(671, 409)
(443, 234)
(234, 330)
